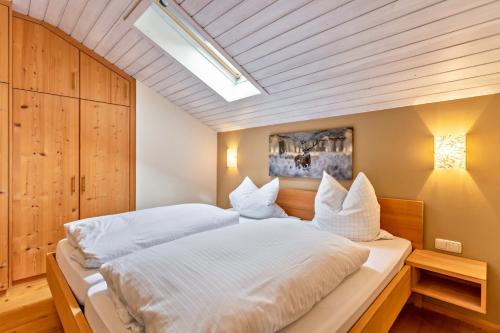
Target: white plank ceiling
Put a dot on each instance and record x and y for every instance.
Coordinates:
(315, 58)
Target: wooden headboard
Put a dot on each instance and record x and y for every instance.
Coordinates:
(402, 218)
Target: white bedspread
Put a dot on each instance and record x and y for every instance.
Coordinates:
(253, 277)
(101, 239)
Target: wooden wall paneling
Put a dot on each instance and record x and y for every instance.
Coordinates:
(104, 158)
(95, 80)
(120, 90)
(44, 177)
(4, 185)
(35, 223)
(58, 32)
(9, 155)
(132, 148)
(4, 43)
(42, 61)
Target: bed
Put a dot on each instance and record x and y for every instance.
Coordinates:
(80, 279)
(371, 298)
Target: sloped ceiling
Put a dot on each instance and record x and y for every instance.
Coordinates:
(315, 58)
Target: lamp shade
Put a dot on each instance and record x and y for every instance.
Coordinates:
(449, 152)
(232, 157)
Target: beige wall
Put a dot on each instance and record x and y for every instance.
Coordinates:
(395, 149)
(176, 160)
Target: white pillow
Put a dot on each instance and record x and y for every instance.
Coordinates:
(246, 188)
(257, 203)
(359, 217)
(329, 198)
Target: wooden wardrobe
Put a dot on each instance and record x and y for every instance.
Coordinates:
(72, 142)
(5, 90)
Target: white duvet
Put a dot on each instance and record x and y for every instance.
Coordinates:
(101, 239)
(254, 277)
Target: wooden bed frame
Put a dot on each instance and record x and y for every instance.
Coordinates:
(402, 218)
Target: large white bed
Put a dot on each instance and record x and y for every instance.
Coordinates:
(80, 279)
(369, 298)
(350, 299)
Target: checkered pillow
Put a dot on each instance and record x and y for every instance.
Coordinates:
(359, 216)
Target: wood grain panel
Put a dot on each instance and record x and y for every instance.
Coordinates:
(107, 19)
(55, 11)
(402, 218)
(4, 43)
(236, 16)
(70, 15)
(364, 43)
(295, 48)
(29, 308)
(88, 18)
(95, 80)
(385, 309)
(467, 87)
(355, 30)
(120, 90)
(4, 185)
(38, 9)
(259, 20)
(44, 179)
(104, 163)
(100, 84)
(71, 315)
(42, 61)
(213, 10)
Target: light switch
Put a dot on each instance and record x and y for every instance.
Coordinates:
(440, 244)
(448, 245)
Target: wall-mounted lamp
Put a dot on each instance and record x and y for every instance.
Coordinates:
(449, 152)
(232, 157)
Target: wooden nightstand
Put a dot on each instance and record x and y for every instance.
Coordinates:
(451, 279)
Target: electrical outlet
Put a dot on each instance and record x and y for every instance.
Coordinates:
(448, 245)
(452, 246)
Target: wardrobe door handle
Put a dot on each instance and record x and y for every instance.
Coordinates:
(73, 184)
(83, 184)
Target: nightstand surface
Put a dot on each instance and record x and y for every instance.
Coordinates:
(459, 267)
(451, 279)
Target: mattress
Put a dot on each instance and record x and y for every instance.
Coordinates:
(335, 313)
(81, 279)
(78, 278)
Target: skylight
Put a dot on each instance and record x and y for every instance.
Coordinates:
(178, 38)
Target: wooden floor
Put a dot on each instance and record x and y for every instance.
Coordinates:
(415, 320)
(28, 308)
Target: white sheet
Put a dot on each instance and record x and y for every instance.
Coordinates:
(335, 313)
(78, 278)
(81, 279)
(340, 310)
(104, 238)
(255, 277)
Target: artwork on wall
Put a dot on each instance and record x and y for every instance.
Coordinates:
(308, 154)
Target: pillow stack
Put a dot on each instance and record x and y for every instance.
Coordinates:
(354, 214)
(257, 203)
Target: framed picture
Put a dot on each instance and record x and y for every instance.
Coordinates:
(308, 154)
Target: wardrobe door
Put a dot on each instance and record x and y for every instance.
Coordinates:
(120, 90)
(42, 61)
(95, 80)
(4, 43)
(4, 181)
(104, 159)
(44, 177)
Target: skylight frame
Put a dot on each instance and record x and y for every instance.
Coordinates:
(159, 24)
